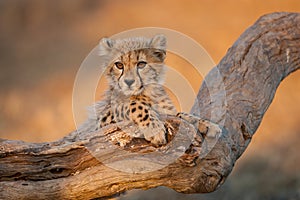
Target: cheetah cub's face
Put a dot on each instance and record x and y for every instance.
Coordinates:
(134, 63)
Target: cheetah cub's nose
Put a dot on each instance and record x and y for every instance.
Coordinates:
(129, 82)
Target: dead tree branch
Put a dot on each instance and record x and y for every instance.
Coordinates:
(235, 95)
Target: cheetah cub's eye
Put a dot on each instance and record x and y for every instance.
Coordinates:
(141, 64)
(119, 65)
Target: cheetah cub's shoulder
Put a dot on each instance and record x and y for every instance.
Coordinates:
(135, 72)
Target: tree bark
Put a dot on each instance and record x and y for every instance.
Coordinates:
(235, 95)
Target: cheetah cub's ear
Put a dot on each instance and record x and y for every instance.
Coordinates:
(105, 46)
(159, 43)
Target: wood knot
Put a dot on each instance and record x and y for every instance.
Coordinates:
(245, 132)
(57, 170)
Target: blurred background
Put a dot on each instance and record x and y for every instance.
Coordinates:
(43, 42)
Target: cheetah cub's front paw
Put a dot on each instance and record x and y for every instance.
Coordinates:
(150, 126)
(155, 132)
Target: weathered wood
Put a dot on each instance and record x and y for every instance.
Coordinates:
(235, 95)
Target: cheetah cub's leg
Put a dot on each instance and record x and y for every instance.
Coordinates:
(106, 118)
(205, 127)
(150, 125)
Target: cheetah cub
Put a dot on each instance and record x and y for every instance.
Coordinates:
(135, 71)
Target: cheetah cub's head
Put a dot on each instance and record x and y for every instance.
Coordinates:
(134, 64)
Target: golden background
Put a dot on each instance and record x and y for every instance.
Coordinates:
(43, 42)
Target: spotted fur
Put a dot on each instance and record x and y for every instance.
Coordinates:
(135, 72)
